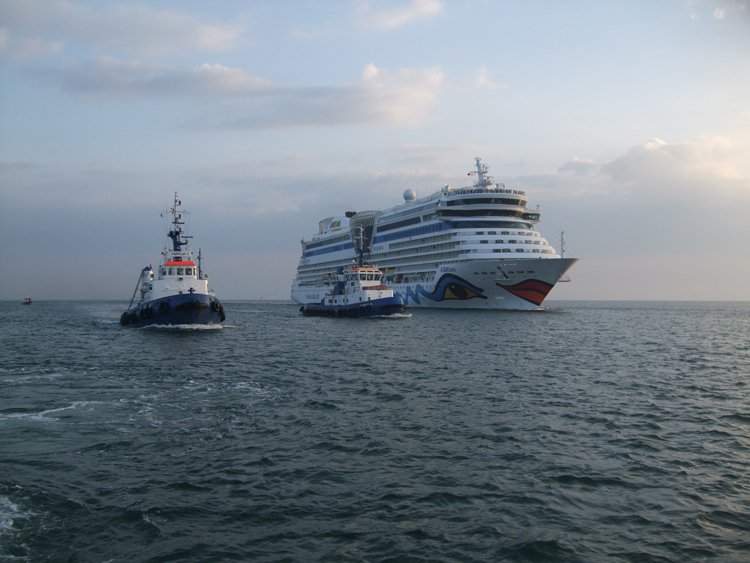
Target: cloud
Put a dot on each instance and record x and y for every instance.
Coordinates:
(26, 48)
(484, 79)
(111, 77)
(402, 97)
(122, 29)
(690, 172)
(386, 19)
(681, 165)
(580, 167)
(725, 10)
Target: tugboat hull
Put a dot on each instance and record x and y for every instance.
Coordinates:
(375, 308)
(183, 309)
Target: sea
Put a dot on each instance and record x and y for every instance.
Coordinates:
(589, 431)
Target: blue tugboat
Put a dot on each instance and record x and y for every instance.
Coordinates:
(356, 291)
(178, 293)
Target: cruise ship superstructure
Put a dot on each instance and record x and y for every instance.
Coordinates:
(465, 248)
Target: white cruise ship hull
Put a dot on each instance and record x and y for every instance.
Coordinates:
(474, 247)
(521, 284)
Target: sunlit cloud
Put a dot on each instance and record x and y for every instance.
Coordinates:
(390, 18)
(133, 29)
(688, 172)
(709, 159)
(402, 97)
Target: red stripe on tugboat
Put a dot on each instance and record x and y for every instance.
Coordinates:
(173, 263)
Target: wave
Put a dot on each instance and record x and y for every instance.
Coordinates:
(186, 327)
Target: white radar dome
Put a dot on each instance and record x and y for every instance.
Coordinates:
(410, 194)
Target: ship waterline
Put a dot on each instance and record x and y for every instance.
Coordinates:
(468, 248)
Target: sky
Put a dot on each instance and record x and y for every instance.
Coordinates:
(627, 123)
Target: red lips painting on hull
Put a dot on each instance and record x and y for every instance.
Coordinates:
(533, 291)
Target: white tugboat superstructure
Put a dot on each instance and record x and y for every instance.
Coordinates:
(465, 248)
(177, 293)
(356, 290)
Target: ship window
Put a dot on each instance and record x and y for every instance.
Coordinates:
(397, 224)
(163, 271)
(171, 271)
(370, 277)
(180, 271)
(189, 271)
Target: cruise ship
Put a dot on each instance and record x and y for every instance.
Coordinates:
(474, 247)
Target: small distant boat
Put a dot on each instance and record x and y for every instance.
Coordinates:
(178, 293)
(356, 291)
(27, 301)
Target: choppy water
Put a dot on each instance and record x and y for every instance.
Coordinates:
(589, 432)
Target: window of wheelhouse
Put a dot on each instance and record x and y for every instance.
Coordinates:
(162, 271)
(188, 271)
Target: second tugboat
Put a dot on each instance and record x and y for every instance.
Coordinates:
(178, 293)
(357, 291)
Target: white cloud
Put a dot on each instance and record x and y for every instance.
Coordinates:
(724, 10)
(690, 172)
(113, 77)
(709, 160)
(402, 97)
(401, 15)
(580, 167)
(484, 79)
(123, 29)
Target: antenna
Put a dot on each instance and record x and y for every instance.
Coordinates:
(562, 244)
(359, 244)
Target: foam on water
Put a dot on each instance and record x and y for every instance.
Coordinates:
(184, 327)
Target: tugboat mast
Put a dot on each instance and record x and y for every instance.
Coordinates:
(359, 245)
(176, 233)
